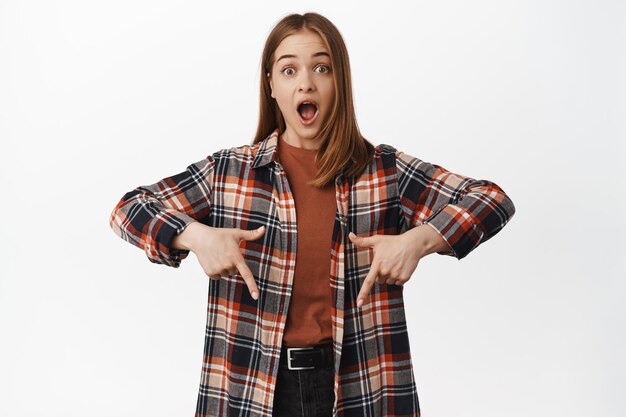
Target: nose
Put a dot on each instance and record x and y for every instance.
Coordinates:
(306, 83)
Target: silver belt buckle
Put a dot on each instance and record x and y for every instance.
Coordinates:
(293, 368)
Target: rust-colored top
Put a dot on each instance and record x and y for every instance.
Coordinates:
(309, 316)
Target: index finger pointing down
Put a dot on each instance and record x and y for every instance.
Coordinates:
(368, 283)
(248, 278)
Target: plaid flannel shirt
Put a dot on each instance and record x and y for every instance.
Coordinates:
(246, 187)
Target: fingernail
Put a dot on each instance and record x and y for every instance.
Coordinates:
(255, 295)
(360, 302)
(352, 234)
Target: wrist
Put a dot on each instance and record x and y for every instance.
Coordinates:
(436, 242)
(187, 238)
(427, 240)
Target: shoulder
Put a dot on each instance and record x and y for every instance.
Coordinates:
(242, 154)
(384, 148)
(398, 158)
(386, 153)
(383, 160)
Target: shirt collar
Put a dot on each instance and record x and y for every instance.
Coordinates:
(266, 151)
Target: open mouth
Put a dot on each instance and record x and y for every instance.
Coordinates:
(308, 112)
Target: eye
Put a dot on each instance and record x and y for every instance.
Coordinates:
(325, 66)
(284, 70)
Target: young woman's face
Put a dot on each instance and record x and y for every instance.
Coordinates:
(302, 72)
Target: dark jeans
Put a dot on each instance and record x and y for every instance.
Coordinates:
(304, 393)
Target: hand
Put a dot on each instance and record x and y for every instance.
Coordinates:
(219, 254)
(395, 259)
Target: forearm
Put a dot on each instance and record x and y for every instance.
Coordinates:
(427, 240)
(464, 210)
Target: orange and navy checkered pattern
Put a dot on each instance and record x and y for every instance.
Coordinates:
(245, 187)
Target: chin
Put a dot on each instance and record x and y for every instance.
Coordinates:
(306, 132)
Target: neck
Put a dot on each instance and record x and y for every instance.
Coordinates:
(299, 144)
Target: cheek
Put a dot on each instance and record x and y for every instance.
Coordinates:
(328, 92)
(284, 104)
(328, 101)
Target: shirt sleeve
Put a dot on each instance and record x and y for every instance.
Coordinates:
(151, 215)
(464, 211)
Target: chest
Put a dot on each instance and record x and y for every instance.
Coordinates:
(365, 205)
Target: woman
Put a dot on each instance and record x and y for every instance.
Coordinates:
(308, 235)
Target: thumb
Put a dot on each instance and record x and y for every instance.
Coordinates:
(253, 234)
(358, 240)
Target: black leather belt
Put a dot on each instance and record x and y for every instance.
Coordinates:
(310, 357)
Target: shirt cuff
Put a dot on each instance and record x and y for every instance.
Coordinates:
(458, 228)
(160, 232)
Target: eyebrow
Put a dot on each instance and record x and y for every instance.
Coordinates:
(295, 56)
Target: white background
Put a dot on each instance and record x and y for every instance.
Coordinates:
(99, 97)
